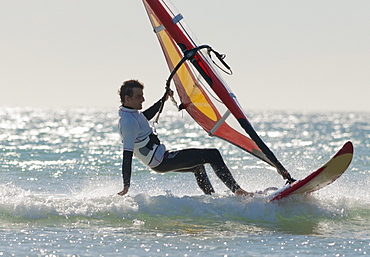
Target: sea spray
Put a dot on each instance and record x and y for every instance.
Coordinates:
(59, 184)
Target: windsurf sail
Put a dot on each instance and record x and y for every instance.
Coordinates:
(201, 90)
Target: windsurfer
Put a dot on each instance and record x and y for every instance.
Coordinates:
(139, 140)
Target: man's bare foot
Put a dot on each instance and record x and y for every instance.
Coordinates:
(241, 192)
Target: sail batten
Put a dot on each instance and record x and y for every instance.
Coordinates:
(219, 123)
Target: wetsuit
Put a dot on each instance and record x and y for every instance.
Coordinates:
(138, 139)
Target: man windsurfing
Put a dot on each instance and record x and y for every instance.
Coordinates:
(139, 140)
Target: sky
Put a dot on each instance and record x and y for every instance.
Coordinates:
(303, 55)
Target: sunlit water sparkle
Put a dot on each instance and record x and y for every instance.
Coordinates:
(60, 172)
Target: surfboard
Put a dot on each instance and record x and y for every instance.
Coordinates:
(320, 178)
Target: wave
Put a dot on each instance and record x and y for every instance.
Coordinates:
(98, 206)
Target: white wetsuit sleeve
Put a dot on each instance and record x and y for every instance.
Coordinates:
(129, 132)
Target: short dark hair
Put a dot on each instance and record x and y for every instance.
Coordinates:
(127, 88)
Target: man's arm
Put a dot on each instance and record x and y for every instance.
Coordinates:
(152, 111)
(126, 171)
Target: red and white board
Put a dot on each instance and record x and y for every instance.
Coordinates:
(320, 178)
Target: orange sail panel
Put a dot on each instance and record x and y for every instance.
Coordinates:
(194, 93)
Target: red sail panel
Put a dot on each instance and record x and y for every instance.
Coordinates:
(194, 96)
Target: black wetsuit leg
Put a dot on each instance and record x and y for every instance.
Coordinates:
(203, 180)
(192, 160)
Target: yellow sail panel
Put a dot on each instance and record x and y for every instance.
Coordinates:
(185, 76)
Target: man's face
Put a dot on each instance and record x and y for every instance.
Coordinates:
(136, 100)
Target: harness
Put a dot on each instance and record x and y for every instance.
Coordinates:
(146, 148)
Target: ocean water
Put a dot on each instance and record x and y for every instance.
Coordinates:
(61, 169)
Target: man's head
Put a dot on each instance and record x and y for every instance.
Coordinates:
(131, 94)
